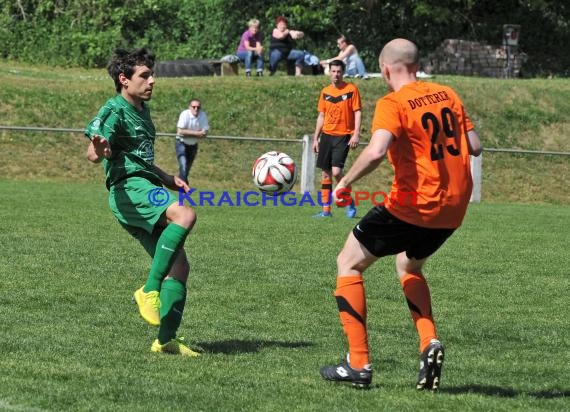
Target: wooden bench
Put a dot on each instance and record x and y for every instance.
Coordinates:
(225, 68)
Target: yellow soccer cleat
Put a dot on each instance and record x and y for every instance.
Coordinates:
(149, 304)
(175, 347)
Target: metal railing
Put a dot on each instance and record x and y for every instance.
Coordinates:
(308, 157)
(266, 139)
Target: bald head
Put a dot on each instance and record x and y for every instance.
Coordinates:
(400, 51)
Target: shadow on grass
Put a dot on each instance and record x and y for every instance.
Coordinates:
(506, 392)
(234, 346)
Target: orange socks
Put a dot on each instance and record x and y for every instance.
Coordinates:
(418, 297)
(351, 301)
(326, 185)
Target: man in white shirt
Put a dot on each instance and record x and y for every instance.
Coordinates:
(192, 126)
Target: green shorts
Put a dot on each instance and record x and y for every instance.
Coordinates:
(138, 204)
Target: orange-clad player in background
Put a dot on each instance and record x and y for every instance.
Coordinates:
(337, 130)
(424, 130)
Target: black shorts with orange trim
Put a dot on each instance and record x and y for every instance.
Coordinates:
(333, 151)
(383, 234)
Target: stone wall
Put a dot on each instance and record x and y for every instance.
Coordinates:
(470, 58)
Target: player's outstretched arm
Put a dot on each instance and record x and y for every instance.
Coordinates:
(369, 159)
(98, 149)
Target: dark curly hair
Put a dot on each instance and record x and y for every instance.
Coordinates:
(124, 61)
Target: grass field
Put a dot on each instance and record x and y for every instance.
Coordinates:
(260, 305)
(260, 298)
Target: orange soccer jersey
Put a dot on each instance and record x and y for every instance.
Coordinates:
(429, 154)
(339, 105)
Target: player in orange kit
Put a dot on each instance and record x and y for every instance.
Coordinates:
(423, 129)
(337, 130)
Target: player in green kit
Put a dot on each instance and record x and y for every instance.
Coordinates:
(122, 137)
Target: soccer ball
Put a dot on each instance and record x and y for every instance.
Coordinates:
(274, 172)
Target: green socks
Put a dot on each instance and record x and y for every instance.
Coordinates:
(172, 291)
(172, 300)
(169, 242)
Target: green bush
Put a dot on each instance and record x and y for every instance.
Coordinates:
(82, 32)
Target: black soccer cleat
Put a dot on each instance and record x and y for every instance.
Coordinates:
(360, 378)
(431, 362)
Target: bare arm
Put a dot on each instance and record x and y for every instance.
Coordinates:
(350, 49)
(98, 149)
(258, 47)
(355, 139)
(369, 159)
(475, 146)
(296, 34)
(191, 133)
(318, 128)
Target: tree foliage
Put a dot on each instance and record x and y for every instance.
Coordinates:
(84, 32)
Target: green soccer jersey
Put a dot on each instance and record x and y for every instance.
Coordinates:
(131, 135)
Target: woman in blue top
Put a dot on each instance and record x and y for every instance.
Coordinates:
(349, 55)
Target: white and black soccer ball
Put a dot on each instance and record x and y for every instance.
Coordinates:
(274, 172)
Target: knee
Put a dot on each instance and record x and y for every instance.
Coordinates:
(405, 265)
(337, 174)
(183, 216)
(343, 264)
(353, 258)
(346, 266)
(340, 261)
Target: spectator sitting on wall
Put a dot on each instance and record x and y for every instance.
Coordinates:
(250, 48)
(349, 55)
(281, 47)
